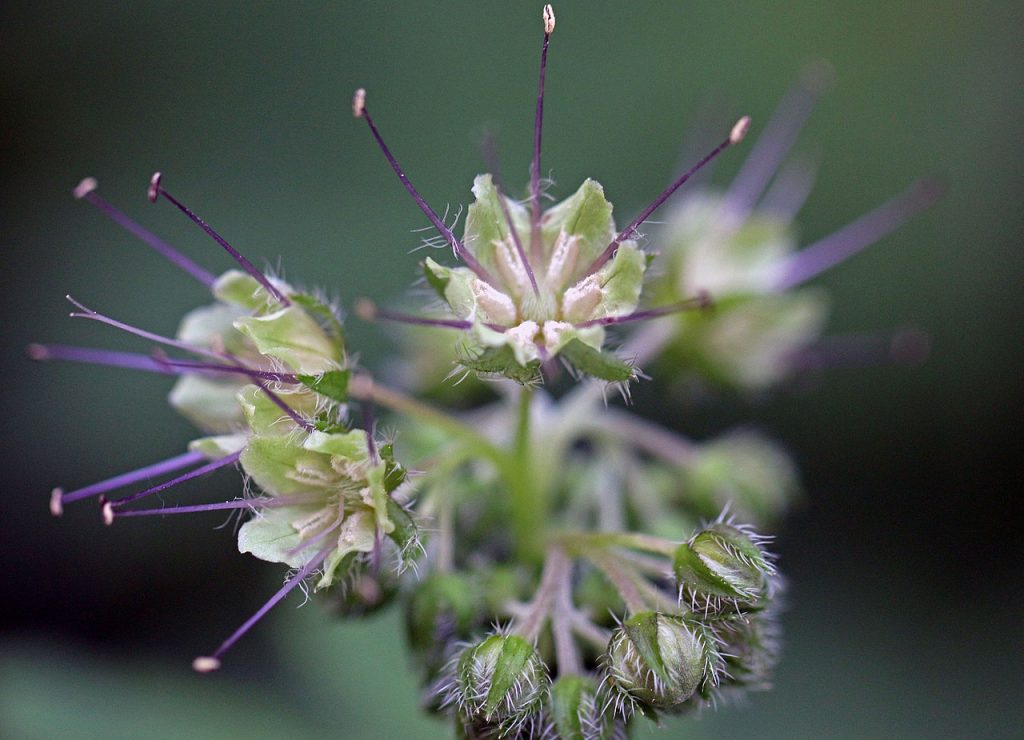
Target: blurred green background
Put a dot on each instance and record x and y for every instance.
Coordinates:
(905, 556)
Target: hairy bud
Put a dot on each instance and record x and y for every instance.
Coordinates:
(577, 708)
(660, 660)
(501, 680)
(724, 568)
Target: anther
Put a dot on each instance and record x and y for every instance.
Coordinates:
(57, 501)
(86, 186)
(736, 135)
(359, 102)
(156, 190)
(205, 664)
(739, 130)
(108, 513)
(549, 19)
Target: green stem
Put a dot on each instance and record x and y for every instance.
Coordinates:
(632, 540)
(527, 499)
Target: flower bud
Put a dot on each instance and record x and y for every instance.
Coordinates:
(501, 680)
(724, 568)
(751, 647)
(661, 660)
(577, 710)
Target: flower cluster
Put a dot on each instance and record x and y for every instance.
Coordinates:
(584, 565)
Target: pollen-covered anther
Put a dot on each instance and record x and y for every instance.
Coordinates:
(562, 265)
(205, 664)
(358, 102)
(86, 186)
(153, 192)
(511, 266)
(366, 309)
(108, 513)
(549, 19)
(498, 306)
(57, 501)
(579, 301)
(739, 130)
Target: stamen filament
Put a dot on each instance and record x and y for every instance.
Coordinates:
(778, 138)
(855, 236)
(87, 313)
(188, 365)
(155, 189)
(360, 110)
(265, 502)
(86, 190)
(280, 403)
(702, 301)
(124, 479)
(109, 507)
(205, 664)
(548, 16)
(109, 358)
(736, 135)
(517, 241)
(367, 310)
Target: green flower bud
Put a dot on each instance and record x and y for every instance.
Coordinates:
(577, 709)
(724, 568)
(660, 661)
(501, 681)
(750, 644)
(743, 468)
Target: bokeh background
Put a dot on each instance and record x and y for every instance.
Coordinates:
(904, 556)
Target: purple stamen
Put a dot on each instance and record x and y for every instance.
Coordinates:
(88, 313)
(778, 138)
(906, 346)
(367, 310)
(279, 402)
(515, 240)
(155, 189)
(855, 236)
(268, 502)
(187, 366)
(701, 302)
(109, 507)
(205, 664)
(110, 358)
(120, 481)
(789, 192)
(548, 16)
(360, 110)
(86, 191)
(735, 137)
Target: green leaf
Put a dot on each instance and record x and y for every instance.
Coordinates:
(599, 364)
(395, 473)
(502, 361)
(333, 384)
(454, 285)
